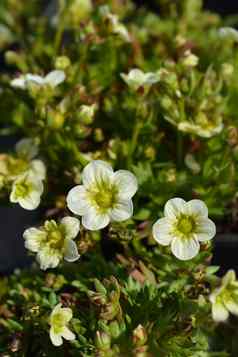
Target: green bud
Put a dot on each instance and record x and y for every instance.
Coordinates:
(62, 63)
(98, 134)
(102, 341)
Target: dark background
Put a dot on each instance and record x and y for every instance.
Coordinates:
(223, 7)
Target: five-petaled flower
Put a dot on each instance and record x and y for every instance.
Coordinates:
(59, 320)
(184, 226)
(52, 79)
(136, 79)
(104, 196)
(53, 242)
(225, 298)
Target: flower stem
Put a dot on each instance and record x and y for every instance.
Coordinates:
(134, 140)
(179, 149)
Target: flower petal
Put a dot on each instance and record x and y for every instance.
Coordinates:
(122, 211)
(126, 183)
(219, 312)
(35, 78)
(96, 170)
(47, 258)
(33, 239)
(66, 314)
(70, 251)
(196, 208)
(205, 229)
(56, 339)
(67, 334)
(19, 82)
(185, 249)
(229, 278)
(30, 203)
(231, 306)
(174, 207)
(162, 231)
(54, 78)
(37, 168)
(77, 200)
(93, 220)
(27, 148)
(71, 226)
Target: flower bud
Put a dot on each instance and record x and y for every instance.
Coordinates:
(98, 133)
(102, 341)
(190, 60)
(62, 63)
(139, 336)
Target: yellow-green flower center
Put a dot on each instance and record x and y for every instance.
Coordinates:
(185, 225)
(58, 321)
(103, 195)
(22, 189)
(55, 235)
(55, 239)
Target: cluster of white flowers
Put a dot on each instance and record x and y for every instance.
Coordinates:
(184, 226)
(106, 196)
(224, 299)
(25, 174)
(52, 79)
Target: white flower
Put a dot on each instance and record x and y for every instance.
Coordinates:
(228, 33)
(52, 79)
(184, 226)
(27, 190)
(137, 78)
(53, 242)
(202, 126)
(59, 319)
(104, 196)
(225, 298)
(118, 28)
(190, 60)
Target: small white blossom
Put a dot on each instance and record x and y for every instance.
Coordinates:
(184, 226)
(26, 150)
(86, 112)
(104, 196)
(59, 320)
(202, 126)
(225, 298)
(228, 33)
(190, 60)
(27, 190)
(118, 28)
(137, 78)
(54, 242)
(52, 79)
